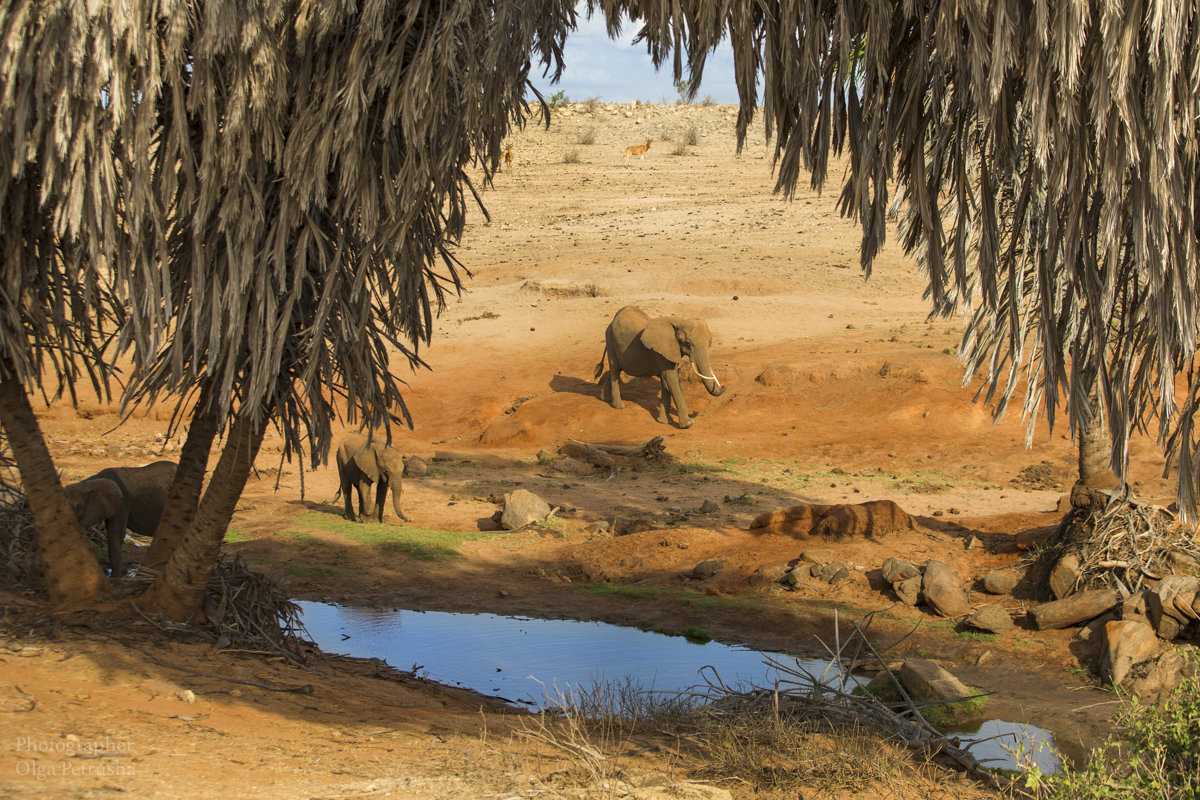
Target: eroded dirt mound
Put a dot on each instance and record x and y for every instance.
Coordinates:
(872, 518)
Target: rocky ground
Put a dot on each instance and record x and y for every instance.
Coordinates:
(841, 390)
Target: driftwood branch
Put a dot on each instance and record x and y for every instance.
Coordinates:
(614, 454)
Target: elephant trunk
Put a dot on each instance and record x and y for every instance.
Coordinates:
(396, 497)
(714, 388)
(703, 369)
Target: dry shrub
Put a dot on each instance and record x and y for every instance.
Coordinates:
(807, 732)
(774, 752)
(593, 725)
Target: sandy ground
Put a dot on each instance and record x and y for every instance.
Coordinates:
(840, 390)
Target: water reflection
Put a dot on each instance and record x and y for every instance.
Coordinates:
(531, 661)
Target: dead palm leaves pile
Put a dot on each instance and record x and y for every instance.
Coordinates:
(1127, 545)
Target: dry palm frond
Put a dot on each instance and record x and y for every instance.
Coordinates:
(260, 196)
(1043, 160)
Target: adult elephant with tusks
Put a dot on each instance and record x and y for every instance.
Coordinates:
(644, 347)
(122, 498)
(364, 460)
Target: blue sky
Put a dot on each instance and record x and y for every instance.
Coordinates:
(617, 71)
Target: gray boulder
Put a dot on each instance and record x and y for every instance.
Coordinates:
(897, 569)
(925, 679)
(832, 573)
(1158, 677)
(708, 569)
(1002, 581)
(415, 467)
(1127, 643)
(941, 591)
(990, 619)
(1171, 604)
(522, 507)
(908, 590)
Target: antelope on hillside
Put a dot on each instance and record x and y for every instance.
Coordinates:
(637, 150)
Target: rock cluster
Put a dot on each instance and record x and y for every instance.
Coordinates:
(1128, 631)
(815, 568)
(935, 584)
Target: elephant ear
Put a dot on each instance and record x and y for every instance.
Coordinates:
(659, 336)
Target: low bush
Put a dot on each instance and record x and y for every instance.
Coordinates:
(1154, 754)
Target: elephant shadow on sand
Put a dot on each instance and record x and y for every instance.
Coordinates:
(643, 392)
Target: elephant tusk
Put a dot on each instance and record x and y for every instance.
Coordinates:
(712, 378)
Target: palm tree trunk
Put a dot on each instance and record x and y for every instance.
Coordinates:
(179, 591)
(1095, 450)
(184, 494)
(72, 573)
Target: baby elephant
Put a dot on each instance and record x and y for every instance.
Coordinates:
(365, 459)
(643, 347)
(122, 498)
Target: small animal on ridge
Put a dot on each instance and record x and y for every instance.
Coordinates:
(637, 150)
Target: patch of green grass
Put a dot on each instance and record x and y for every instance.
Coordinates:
(545, 459)
(697, 635)
(978, 636)
(939, 715)
(315, 571)
(693, 468)
(233, 536)
(301, 538)
(421, 544)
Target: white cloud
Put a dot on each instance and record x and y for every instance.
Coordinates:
(618, 71)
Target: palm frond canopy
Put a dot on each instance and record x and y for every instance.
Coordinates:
(287, 178)
(1042, 159)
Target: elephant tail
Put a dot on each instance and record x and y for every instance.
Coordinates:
(600, 366)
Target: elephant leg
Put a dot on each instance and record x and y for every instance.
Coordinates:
(114, 538)
(380, 497)
(348, 497)
(670, 383)
(365, 505)
(614, 387)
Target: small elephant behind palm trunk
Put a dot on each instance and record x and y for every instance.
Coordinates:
(643, 347)
(123, 498)
(366, 460)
